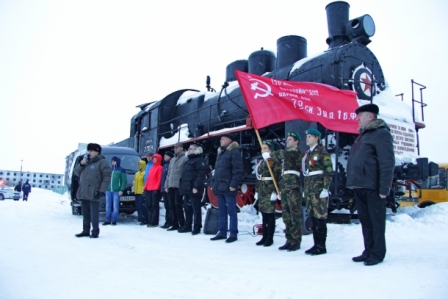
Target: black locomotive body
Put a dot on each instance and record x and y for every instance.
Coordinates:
(201, 116)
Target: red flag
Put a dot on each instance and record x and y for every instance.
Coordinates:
(272, 101)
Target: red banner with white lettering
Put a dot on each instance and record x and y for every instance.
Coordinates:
(272, 101)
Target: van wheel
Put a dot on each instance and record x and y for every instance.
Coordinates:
(425, 204)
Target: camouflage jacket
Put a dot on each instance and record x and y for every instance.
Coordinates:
(266, 187)
(292, 160)
(315, 160)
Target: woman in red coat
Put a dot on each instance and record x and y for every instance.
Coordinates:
(152, 188)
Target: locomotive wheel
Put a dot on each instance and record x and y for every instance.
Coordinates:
(212, 198)
(278, 206)
(245, 195)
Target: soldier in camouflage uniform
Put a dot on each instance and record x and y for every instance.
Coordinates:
(266, 194)
(290, 189)
(317, 169)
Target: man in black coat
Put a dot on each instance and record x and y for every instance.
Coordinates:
(192, 188)
(169, 210)
(370, 169)
(94, 175)
(26, 188)
(225, 183)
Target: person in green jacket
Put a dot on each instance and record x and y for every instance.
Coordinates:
(114, 191)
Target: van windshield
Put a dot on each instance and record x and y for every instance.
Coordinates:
(128, 162)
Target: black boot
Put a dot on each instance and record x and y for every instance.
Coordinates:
(264, 230)
(285, 246)
(321, 240)
(315, 241)
(270, 231)
(82, 234)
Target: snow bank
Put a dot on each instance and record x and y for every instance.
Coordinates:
(40, 258)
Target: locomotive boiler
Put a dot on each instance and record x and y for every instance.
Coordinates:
(190, 115)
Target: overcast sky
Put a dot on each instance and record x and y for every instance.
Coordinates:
(73, 71)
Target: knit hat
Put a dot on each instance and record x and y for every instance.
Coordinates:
(169, 153)
(313, 132)
(94, 147)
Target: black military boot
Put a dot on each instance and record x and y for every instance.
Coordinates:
(285, 246)
(321, 240)
(293, 247)
(264, 229)
(270, 227)
(315, 242)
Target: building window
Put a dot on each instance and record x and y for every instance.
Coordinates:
(52, 187)
(1, 172)
(15, 174)
(7, 179)
(34, 181)
(7, 173)
(39, 186)
(40, 181)
(27, 174)
(34, 175)
(14, 180)
(59, 182)
(40, 175)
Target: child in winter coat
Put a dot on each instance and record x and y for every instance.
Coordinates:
(152, 188)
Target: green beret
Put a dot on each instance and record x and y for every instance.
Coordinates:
(270, 144)
(295, 135)
(313, 132)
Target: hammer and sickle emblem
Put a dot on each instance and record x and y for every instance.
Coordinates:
(266, 90)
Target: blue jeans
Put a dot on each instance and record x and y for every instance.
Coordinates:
(112, 201)
(227, 206)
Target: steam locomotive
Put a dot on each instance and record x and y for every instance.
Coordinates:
(189, 115)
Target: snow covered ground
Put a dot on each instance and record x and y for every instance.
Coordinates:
(41, 258)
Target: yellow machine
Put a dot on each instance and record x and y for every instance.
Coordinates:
(432, 190)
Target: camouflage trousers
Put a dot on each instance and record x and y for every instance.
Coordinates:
(317, 207)
(292, 214)
(265, 205)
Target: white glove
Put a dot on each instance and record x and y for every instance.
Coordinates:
(266, 156)
(279, 197)
(256, 195)
(273, 196)
(324, 193)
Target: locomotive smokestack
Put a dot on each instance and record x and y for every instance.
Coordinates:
(337, 18)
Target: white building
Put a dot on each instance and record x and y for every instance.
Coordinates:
(36, 179)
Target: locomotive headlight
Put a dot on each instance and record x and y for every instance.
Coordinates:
(361, 29)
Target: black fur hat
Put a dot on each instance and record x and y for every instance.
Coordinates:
(94, 147)
(368, 108)
(230, 136)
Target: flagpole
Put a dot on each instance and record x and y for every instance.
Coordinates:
(267, 163)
